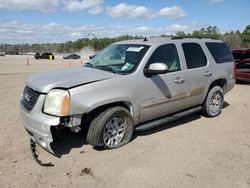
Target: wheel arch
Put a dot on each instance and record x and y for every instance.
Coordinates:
(126, 104)
(87, 117)
(222, 82)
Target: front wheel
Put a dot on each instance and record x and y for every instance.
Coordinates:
(112, 128)
(214, 102)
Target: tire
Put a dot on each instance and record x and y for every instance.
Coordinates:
(112, 128)
(214, 102)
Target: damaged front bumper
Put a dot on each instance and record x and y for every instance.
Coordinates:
(42, 128)
(39, 125)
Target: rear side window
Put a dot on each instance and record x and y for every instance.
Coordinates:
(220, 52)
(194, 55)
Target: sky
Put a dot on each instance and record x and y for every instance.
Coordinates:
(42, 21)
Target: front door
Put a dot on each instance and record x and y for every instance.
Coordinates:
(166, 93)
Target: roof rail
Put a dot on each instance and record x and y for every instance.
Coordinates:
(176, 37)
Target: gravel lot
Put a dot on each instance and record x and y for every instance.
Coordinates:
(191, 152)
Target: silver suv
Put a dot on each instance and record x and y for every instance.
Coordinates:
(129, 85)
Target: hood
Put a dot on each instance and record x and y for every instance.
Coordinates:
(67, 78)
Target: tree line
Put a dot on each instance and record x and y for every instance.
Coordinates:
(234, 39)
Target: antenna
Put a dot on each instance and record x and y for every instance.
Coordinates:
(145, 39)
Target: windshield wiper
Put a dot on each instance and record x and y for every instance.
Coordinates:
(103, 67)
(89, 65)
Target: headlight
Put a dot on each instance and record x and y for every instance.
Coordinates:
(57, 103)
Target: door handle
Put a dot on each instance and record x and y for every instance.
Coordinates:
(179, 80)
(208, 73)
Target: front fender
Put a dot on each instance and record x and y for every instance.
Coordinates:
(86, 98)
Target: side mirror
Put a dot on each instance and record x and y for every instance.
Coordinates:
(155, 68)
(92, 56)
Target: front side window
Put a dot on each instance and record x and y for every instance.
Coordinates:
(119, 58)
(168, 55)
(194, 55)
(220, 52)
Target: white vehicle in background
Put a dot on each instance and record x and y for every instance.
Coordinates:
(31, 53)
(2, 53)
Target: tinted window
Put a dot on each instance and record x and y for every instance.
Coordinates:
(239, 55)
(220, 52)
(168, 55)
(243, 66)
(194, 55)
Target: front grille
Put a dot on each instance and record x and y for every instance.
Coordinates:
(30, 97)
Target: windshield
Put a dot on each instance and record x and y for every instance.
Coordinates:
(119, 58)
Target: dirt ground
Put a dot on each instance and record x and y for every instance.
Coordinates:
(191, 152)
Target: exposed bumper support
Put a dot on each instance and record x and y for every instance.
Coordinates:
(41, 126)
(35, 155)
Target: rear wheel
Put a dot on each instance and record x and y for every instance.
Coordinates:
(112, 128)
(213, 104)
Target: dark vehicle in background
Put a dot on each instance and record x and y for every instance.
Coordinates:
(45, 56)
(12, 53)
(72, 56)
(242, 63)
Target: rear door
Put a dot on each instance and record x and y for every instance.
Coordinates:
(198, 72)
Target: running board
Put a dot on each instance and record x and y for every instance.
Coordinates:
(166, 119)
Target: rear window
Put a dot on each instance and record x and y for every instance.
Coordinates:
(220, 52)
(239, 55)
(243, 66)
